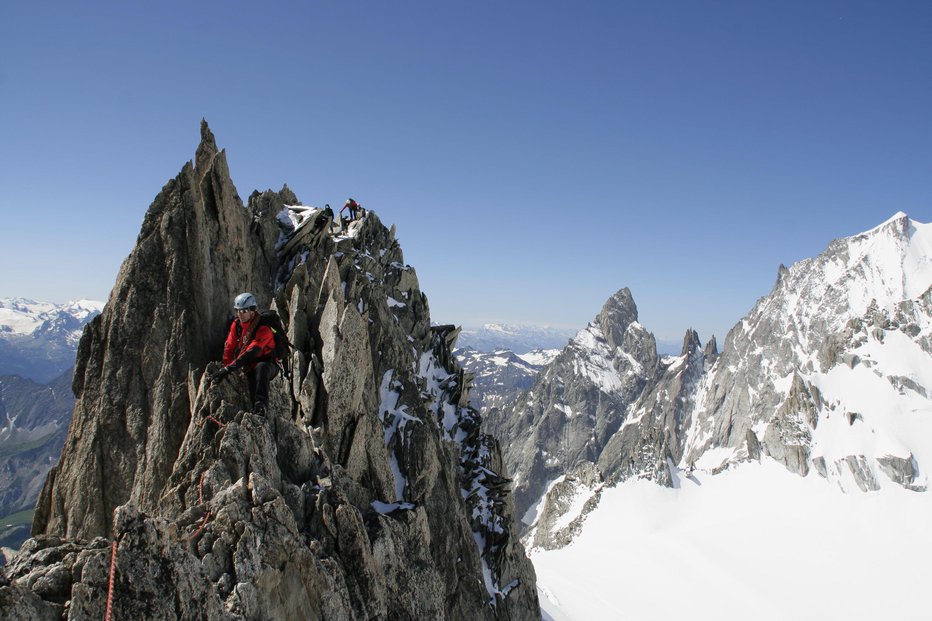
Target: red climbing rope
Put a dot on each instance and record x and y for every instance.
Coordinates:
(219, 424)
(200, 501)
(209, 417)
(113, 556)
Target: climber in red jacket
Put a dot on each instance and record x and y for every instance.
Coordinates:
(353, 207)
(250, 347)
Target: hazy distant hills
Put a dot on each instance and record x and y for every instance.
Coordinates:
(519, 339)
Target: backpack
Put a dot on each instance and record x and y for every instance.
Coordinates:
(282, 354)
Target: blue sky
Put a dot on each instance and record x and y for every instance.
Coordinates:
(535, 156)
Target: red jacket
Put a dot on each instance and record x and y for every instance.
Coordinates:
(246, 345)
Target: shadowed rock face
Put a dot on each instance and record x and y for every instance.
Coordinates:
(366, 492)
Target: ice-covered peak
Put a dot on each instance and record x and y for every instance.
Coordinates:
(879, 268)
(897, 217)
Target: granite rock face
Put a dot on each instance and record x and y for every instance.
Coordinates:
(366, 492)
(653, 436)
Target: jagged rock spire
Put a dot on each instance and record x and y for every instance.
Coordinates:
(206, 150)
(691, 342)
(345, 501)
(618, 312)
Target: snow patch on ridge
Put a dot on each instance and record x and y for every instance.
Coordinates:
(596, 365)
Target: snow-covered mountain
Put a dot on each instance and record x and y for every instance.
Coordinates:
(830, 373)
(833, 370)
(520, 339)
(500, 376)
(38, 340)
(824, 387)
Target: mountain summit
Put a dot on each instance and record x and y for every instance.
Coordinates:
(367, 492)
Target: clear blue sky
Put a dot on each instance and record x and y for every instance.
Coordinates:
(535, 156)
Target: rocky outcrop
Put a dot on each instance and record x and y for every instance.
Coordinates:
(565, 507)
(788, 435)
(367, 492)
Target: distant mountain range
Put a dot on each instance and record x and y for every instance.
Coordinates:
(524, 338)
(38, 340)
(500, 376)
(519, 339)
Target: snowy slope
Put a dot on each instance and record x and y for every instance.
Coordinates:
(540, 357)
(756, 542)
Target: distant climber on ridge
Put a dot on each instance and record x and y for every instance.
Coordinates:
(250, 346)
(353, 207)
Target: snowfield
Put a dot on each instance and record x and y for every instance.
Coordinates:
(755, 542)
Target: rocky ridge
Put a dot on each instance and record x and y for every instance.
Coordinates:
(368, 492)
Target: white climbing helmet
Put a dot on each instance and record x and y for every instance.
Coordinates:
(245, 301)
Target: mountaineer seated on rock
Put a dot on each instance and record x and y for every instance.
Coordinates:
(251, 346)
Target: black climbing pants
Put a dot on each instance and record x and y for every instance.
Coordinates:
(259, 379)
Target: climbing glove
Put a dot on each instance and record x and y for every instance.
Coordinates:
(219, 375)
